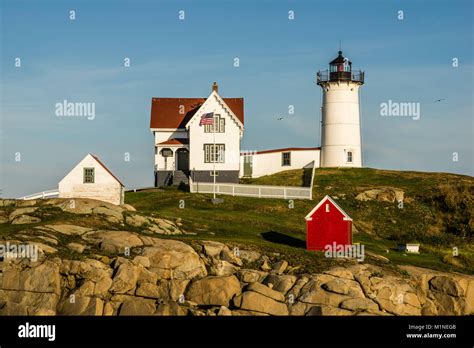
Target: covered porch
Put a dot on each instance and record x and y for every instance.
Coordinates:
(172, 158)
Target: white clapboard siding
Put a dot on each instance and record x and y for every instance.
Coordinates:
(106, 186)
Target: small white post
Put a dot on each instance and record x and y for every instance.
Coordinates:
(215, 152)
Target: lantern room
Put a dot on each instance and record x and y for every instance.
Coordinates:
(340, 69)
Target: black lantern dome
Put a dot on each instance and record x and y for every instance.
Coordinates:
(340, 69)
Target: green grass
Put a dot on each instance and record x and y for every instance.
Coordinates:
(275, 226)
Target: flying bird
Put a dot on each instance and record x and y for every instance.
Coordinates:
(438, 100)
(280, 118)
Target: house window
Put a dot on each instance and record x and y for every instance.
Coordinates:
(327, 207)
(88, 175)
(219, 123)
(286, 159)
(214, 153)
(349, 156)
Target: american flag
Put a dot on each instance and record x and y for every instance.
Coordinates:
(207, 119)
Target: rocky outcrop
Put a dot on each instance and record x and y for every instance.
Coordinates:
(132, 272)
(170, 278)
(382, 194)
(24, 212)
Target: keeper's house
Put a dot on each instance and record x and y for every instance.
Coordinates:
(184, 148)
(90, 178)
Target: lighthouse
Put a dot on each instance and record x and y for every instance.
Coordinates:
(340, 121)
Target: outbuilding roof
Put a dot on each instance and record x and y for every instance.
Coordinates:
(107, 169)
(310, 214)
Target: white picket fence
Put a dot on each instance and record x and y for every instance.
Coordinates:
(42, 195)
(260, 191)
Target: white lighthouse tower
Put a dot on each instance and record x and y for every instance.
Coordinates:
(340, 124)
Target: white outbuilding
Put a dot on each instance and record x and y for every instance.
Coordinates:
(90, 178)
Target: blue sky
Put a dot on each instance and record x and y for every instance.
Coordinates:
(407, 60)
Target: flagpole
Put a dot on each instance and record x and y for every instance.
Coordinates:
(215, 152)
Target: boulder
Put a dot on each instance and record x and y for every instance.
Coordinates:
(70, 230)
(265, 290)
(77, 247)
(280, 267)
(47, 239)
(142, 260)
(383, 194)
(171, 308)
(172, 259)
(224, 311)
(113, 241)
(128, 207)
(44, 248)
(25, 219)
(446, 285)
(146, 276)
(296, 289)
(16, 302)
(254, 301)
(328, 310)
(212, 248)
(136, 220)
(162, 226)
(177, 288)
(448, 305)
(81, 305)
(21, 211)
(138, 307)
(340, 272)
(281, 283)
(249, 255)
(19, 275)
(125, 279)
(82, 205)
(395, 296)
(112, 215)
(359, 304)
(222, 268)
(230, 256)
(150, 290)
(344, 287)
(251, 275)
(312, 292)
(217, 291)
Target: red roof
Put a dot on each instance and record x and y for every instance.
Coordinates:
(165, 112)
(289, 149)
(176, 141)
(327, 198)
(107, 169)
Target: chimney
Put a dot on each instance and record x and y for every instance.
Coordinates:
(215, 87)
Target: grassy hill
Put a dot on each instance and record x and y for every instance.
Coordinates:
(437, 212)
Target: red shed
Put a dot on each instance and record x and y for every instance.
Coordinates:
(327, 223)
